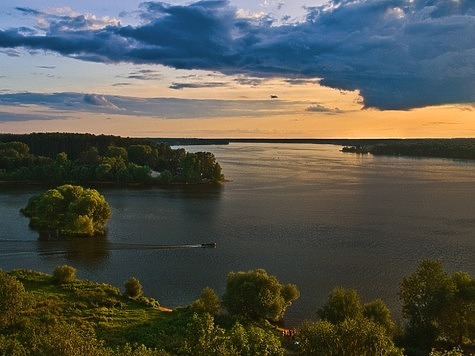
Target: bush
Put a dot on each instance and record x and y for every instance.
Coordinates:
(208, 302)
(13, 299)
(64, 274)
(133, 288)
(257, 295)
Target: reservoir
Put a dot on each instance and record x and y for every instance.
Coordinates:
(308, 214)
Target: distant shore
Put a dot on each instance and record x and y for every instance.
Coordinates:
(452, 148)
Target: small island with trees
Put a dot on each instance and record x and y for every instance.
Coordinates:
(68, 211)
(55, 158)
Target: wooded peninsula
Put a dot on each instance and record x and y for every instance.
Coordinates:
(54, 158)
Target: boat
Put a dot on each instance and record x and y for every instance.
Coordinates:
(209, 245)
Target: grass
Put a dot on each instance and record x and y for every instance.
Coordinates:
(116, 318)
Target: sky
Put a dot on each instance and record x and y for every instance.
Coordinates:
(239, 68)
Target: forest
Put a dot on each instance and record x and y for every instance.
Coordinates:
(439, 148)
(54, 158)
(59, 314)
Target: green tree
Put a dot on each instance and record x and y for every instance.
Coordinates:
(204, 338)
(361, 336)
(13, 299)
(208, 302)
(64, 274)
(133, 288)
(68, 211)
(424, 294)
(342, 303)
(458, 317)
(255, 341)
(317, 338)
(379, 312)
(61, 338)
(114, 151)
(358, 336)
(257, 295)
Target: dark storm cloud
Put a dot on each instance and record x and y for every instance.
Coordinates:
(179, 86)
(399, 54)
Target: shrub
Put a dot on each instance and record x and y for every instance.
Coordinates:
(133, 288)
(13, 299)
(64, 274)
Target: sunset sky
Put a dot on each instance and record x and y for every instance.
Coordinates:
(239, 68)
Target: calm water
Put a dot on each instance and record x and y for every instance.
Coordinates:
(308, 214)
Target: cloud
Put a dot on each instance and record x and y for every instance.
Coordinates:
(64, 104)
(399, 54)
(145, 74)
(98, 100)
(323, 109)
(179, 86)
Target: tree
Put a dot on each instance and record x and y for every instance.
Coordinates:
(347, 327)
(68, 211)
(458, 317)
(317, 338)
(379, 312)
(64, 274)
(204, 338)
(208, 302)
(342, 304)
(61, 338)
(424, 294)
(358, 336)
(13, 299)
(133, 288)
(257, 295)
(255, 341)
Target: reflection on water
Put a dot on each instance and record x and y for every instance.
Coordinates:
(90, 251)
(308, 214)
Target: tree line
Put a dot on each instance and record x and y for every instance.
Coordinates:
(58, 314)
(85, 158)
(441, 148)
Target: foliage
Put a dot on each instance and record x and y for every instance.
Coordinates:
(358, 336)
(133, 288)
(84, 158)
(379, 312)
(453, 352)
(61, 338)
(204, 338)
(87, 318)
(13, 299)
(437, 306)
(342, 304)
(255, 341)
(208, 302)
(458, 148)
(257, 295)
(68, 210)
(64, 274)
(348, 327)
